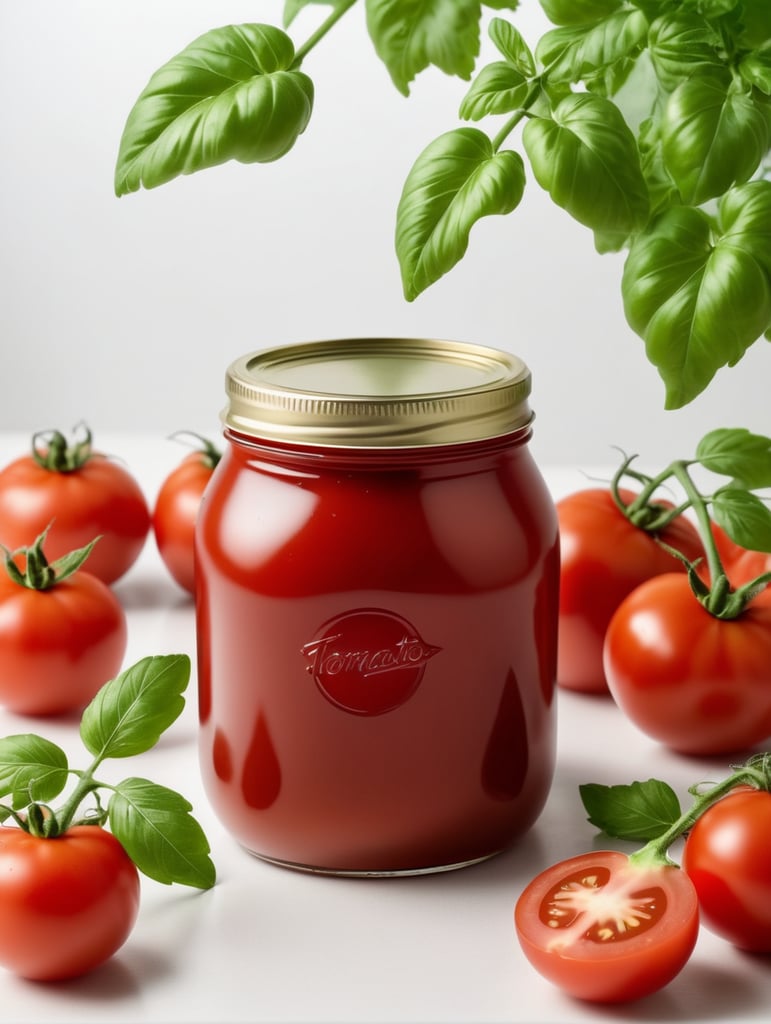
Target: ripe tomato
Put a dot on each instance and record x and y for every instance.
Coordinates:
(727, 858)
(176, 510)
(604, 557)
(98, 497)
(689, 680)
(66, 904)
(604, 929)
(58, 646)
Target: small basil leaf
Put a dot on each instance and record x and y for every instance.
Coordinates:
(456, 180)
(578, 12)
(737, 453)
(587, 159)
(755, 69)
(154, 826)
(31, 769)
(576, 52)
(410, 35)
(512, 46)
(744, 517)
(638, 811)
(230, 95)
(498, 89)
(129, 713)
(713, 135)
(293, 7)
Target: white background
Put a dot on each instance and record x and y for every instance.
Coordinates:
(127, 312)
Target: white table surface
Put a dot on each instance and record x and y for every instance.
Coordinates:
(271, 945)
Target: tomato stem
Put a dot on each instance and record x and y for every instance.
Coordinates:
(756, 773)
(56, 455)
(210, 454)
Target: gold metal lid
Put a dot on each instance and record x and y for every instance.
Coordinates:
(377, 393)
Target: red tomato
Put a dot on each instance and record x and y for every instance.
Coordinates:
(689, 680)
(98, 498)
(58, 646)
(727, 856)
(604, 557)
(66, 904)
(604, 929)
(176, 510)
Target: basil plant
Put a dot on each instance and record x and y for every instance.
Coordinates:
(683, 189)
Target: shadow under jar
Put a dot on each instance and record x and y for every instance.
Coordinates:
(377, 593)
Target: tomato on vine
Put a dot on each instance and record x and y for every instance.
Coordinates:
(69, 887)
(176, 510)
(63, 632)
(610, 542)
(727, 858)
(80, 494)
(686, 656)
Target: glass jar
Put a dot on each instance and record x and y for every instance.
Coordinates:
(377, 592)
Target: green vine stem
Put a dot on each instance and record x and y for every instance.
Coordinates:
(755, 773)
(302, 52)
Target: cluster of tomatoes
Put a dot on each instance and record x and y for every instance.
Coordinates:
(609, 927)
(63, 636)
(630, 624)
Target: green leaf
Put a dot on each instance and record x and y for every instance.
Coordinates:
(744, 517)
(639, 811)
(700, 301)
(737, 453)
(498, 89)
(510, 44)
(755, 69)
(456, 180)
(230, 95)
(502, 5)
(578, 12)
(713, 135)
(681, 45)
(128, 714)
(293, 7)
(410, 35)
(587, 159)
(573, 53)
(154, 826)
(31, 769)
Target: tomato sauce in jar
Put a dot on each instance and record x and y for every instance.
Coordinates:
(377, 593)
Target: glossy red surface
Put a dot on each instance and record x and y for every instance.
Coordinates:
(377, 651)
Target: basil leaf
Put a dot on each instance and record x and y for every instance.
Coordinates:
(154, 826)
(502, 5)
(293, 7)
(575, 52)
(230, 95)
(128, 714)
(744, 517)
(700, 301)
(410, 35)
(587, 159)
(578, 12)
(713, 135)
(755, 69)
(456, 180)
(498, 89)
(638, 811)
(682, 44)
(737, 453)
(512, 46)
(31, 769)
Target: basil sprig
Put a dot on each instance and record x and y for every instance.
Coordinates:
(126, 717)
(648, 121)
